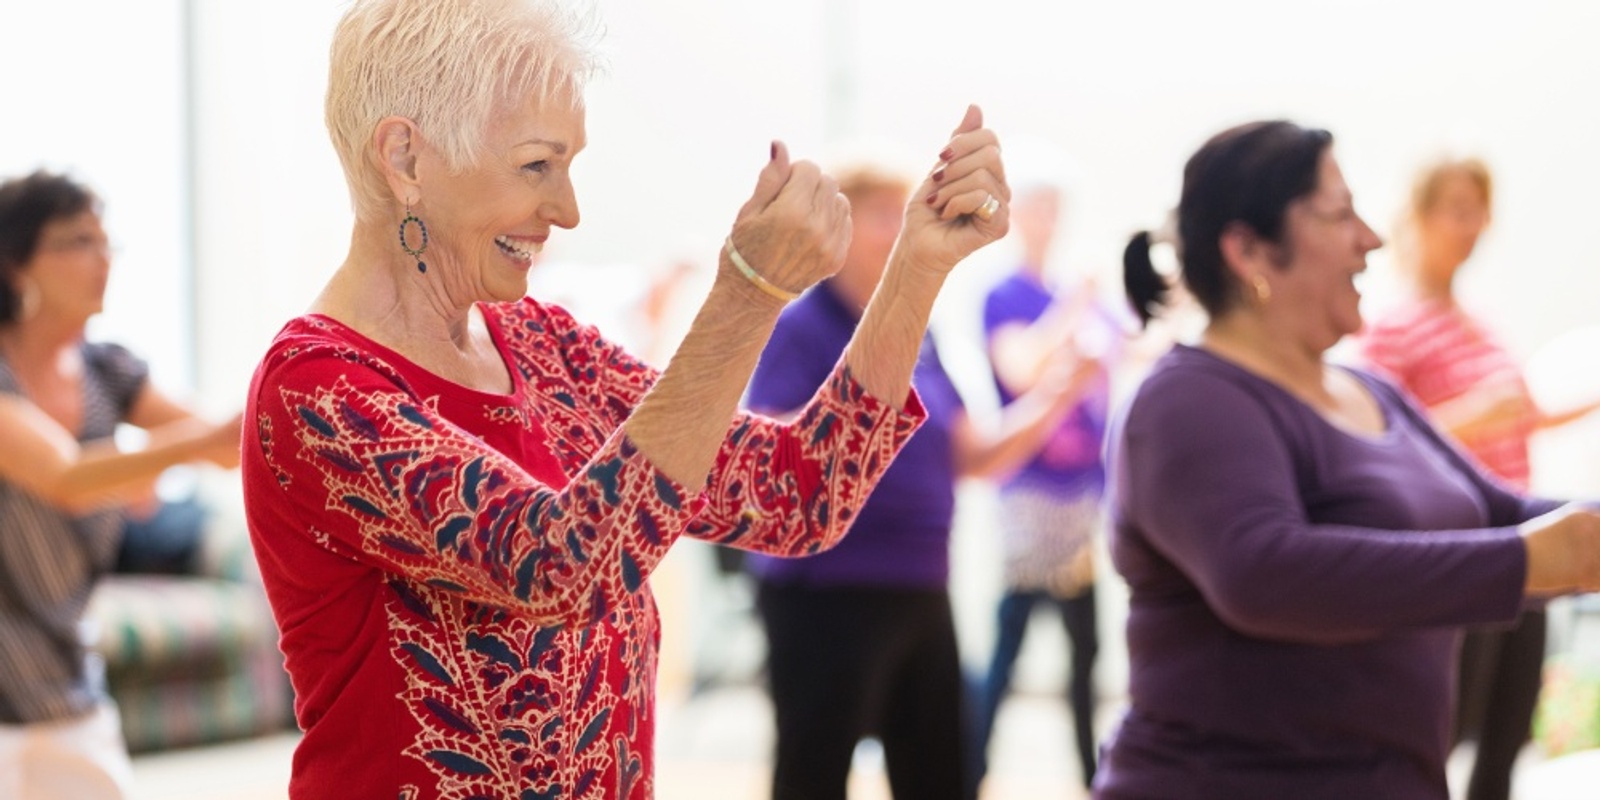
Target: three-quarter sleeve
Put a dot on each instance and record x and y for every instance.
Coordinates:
(373, 472)
(793, 488)
(122, 373)
(1210, 483)
(786, 488)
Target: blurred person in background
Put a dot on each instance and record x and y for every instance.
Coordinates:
(860, 639)
(1049, 506)
(1302, 547)
(65, 486)
(1472, 389)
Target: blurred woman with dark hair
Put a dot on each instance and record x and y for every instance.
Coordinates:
(1302, 547)
(63, 482)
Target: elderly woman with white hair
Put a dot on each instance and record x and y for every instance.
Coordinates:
(458, 493)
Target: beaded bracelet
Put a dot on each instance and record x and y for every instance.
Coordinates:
(755, 278)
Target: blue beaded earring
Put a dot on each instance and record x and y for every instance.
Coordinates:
(421, 248)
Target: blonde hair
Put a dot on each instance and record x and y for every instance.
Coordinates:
(448, 66)
(1429, 181)
(859, 180)
(1426, 184)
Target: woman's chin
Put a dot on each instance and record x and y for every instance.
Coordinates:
(509, 291)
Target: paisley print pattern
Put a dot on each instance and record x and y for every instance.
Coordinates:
(492, 553)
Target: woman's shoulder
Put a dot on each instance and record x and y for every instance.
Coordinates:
(107, 351)
(112, 359)
(315, 343)
(1185, 365)
(522, 320)
(312, 333)
(1191, 386)
(528, 311)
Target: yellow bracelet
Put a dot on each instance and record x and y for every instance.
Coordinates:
(760, 282)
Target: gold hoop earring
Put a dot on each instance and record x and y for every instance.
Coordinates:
(1263, 289)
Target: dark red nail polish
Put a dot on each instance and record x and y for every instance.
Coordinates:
(932, 198)
(774, 156)
(938, 174)
(947, 154)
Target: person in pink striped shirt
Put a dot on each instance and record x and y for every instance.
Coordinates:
(1473, 389)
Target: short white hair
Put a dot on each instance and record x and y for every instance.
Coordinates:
(448, 66)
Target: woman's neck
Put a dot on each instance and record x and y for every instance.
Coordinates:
(375, 292)
(1434, 279)
(1247, 340)
(1033, 264)
(386, 299)
(36, 343)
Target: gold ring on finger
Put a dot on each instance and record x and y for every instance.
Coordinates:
(986, 211)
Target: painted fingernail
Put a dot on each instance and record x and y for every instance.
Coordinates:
(938, 174)
(947, 154)
(774, 156)
(932, 198)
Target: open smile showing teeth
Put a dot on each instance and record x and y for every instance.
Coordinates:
(522, 251)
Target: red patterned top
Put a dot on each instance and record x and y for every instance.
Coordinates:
(460, 577)
(1437, 352)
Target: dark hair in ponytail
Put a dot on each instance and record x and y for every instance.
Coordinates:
(1146, 288)
(1247, 174)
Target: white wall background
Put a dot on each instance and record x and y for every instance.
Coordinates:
(696, 89)
(95, 89)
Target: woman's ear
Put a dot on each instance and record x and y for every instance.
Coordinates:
(395, 144)
(1243, 252)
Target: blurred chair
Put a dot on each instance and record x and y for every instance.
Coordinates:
(193, 658)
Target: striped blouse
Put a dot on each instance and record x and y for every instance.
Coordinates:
(49, 561)
(1438, 352)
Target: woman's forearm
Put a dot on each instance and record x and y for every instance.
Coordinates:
(1025, 426)
(99, 473)
(681, 423)
(883, 352)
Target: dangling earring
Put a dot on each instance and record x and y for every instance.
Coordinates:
(27, 298)
(1263, 289)
(421, 248)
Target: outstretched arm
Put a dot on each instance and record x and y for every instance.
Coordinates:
(43, 457)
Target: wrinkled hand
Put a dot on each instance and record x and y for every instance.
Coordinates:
(941, 226)
(795, 228)
(1563, 551)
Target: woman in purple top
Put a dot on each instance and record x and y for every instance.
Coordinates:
(1302, 548)
(860, 638)
(1049, 508)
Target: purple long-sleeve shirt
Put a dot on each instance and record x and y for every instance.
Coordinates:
(1297, 590)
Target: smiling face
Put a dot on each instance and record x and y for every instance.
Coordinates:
(487, 224)
(69, 268)
(1327, 242)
